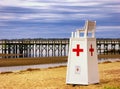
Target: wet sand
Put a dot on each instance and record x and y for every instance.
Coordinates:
(54, 78)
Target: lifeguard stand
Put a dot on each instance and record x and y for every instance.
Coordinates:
(82, 67)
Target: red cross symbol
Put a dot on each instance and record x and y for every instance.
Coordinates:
(77, 50)
(91, 50)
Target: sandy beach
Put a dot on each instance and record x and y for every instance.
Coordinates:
(54, 78)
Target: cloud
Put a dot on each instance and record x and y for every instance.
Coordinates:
(41, 17)
(108, 27)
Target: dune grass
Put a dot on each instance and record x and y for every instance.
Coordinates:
(42, 60)
(54, 78)
(31, 61)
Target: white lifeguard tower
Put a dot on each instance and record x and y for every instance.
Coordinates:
(82, 67)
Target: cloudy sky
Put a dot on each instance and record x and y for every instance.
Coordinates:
(57, 18)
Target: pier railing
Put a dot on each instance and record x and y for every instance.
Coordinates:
(22, 48)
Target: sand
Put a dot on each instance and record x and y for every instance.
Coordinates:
(54, 78)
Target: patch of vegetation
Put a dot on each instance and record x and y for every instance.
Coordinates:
(108, 87)
(7, 72)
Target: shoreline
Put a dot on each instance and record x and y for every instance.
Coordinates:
(25, 67)
(42, 66)
(54, 78)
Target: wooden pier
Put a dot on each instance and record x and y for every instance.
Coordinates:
(32, 48)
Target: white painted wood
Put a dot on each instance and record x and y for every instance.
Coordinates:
(82, 66)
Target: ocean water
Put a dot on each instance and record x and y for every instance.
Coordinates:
(17, 68)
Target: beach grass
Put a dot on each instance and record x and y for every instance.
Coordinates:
(42, 60)
(31, 61)
(55, 78)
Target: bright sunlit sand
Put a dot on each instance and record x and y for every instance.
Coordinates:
(54, 78)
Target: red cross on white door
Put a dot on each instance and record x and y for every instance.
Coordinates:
(91, 50)
(77, 50)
